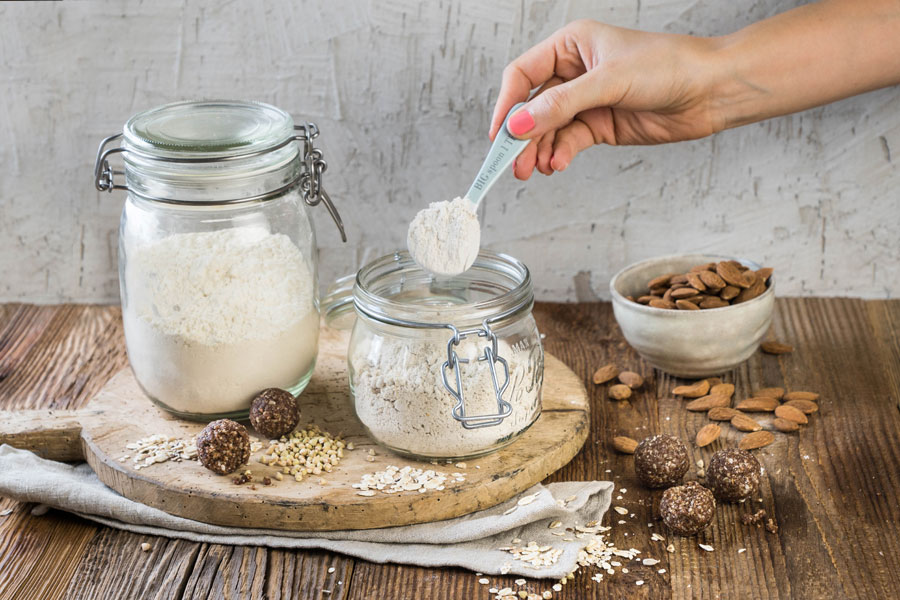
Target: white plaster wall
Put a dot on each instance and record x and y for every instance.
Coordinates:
(402, 91)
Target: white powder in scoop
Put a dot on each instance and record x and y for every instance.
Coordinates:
(212, 318)
(401, 399)
(445, 237)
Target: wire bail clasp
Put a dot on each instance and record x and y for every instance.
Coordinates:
(492, 357)
(314, 166)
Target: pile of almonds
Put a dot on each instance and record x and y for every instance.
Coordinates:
(791, 410)
(710, 285)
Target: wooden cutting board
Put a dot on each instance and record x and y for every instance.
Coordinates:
(120, 414)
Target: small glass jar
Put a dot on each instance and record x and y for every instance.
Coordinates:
(217, 253)
(445, 368)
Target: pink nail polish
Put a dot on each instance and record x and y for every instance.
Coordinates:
(520, 123)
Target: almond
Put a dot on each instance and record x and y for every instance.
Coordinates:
(723, 389)
(775, 347)
(707, 402)
(686, 305)
(765, 273)
(713, 302)
(722, 413)
(744, 423)
(625, 445)
(605, 373)
(662, 303)
(760, 404)
(695, 390)
(678, 279)
(791, 413)
(695, 282)
(771, 392)
(711, 280)
(812, 396)
(658, 291)
(755, 290)
(729, 292)
(631, 379)
(701, 268)
(619, 392)
(731, 274)
(755, 440)
(662, 280)
(707, 435)
(685, 292)
(645, 299)
(785, 425)
(805, 406)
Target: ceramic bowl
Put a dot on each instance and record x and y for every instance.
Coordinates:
(695, 343)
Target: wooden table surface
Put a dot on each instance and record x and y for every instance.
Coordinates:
(834, 487)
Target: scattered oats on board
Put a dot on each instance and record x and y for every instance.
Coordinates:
(741, 550)
(661, 571)
(520, 582)
(670, 548)
(621, 510)
(159, 448)
(639, 582)
(331, 569)
(6, 512)
(395, 479)
(40, 510)
(707, 547)
(484, 581)
(649, 562)
(657, 538)
(145, 547)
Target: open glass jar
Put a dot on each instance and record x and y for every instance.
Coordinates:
(445, 367)
(217, 253)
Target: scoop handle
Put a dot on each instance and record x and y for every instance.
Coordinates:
(503, 152)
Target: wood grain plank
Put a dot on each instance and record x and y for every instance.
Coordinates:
(226, 572)
(115, 566)
(38, 555)
(308, 574)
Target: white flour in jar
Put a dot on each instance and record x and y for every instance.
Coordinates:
(212, 318)
(402, 401)
(445, 237)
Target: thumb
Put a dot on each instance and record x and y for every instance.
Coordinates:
(555, 107)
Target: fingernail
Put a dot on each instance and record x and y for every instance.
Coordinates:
(520, 123)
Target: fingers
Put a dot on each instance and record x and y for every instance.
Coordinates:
(545, 153)
(588, 128)
(557, 106)
(525, 162)
(532, 69)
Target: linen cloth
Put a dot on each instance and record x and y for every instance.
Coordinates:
(470, 541)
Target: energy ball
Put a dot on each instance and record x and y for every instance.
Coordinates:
(687, 509)
(223, 446)
(274, 413)
(660, 461)
(733, 474)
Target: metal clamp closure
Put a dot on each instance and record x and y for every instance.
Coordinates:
(492, 357)
(313, 166)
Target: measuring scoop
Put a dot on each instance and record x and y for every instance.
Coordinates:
(504, 151)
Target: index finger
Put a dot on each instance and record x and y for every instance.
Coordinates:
(531, 70)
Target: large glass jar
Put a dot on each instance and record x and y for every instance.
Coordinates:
(217, 253)
(445, 367)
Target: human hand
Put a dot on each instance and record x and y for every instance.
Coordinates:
(601, 84)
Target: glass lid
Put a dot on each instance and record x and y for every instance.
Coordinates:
(209, 129)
